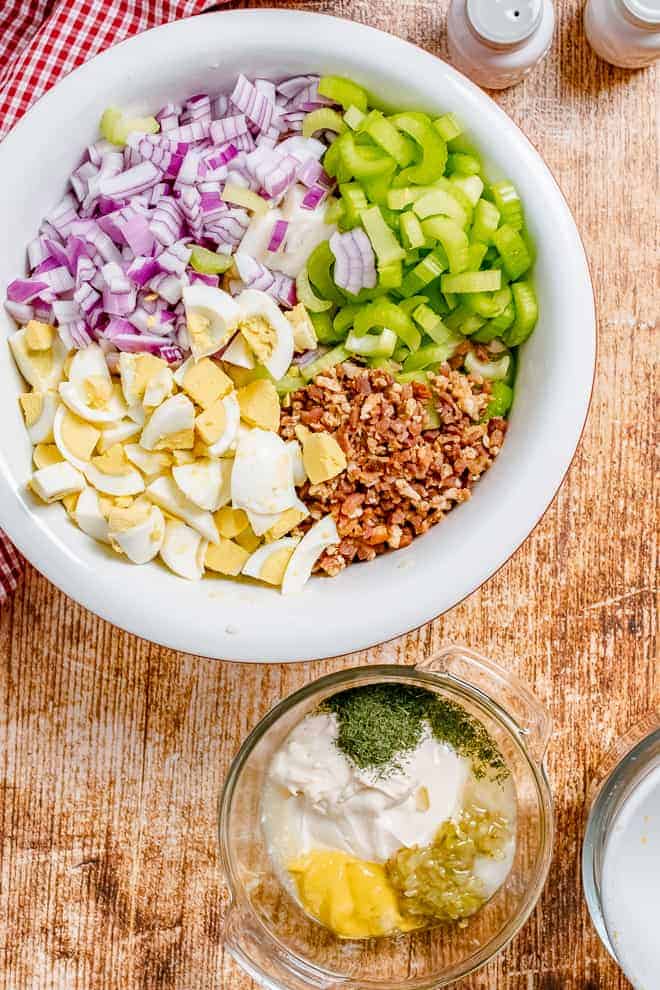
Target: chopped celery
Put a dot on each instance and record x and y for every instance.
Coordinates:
(115, 127)
(434, 149)
(354, 117)
(513, 250)
(385, 313)
(319, 264)
(427, 355)
(471, 324)
(362, 161)
(410, 305)
(390, 276)
(399, 199)
(430, 268)
(472, 282)
(450, 300)
(323, 119)
(508, 203)
(448, 126)
(434, 328)
(240, 196)
(486, 333)
(377, 189)
(290, 383)
(527, 312)
(454, 189)
(463, 163)
(307, 296)
(439, 202)
(486, 220)
(501, 400)
(471, 185)
(208, 262)
(324, 328)
(458, 316)
(476, 255)
(334, 210)
(372, 345)
(354, 201)
(489, 305)
(453, 239)
(383, 241)
(498, 324)
(406, 377)
(495, 370)
(344, 319)
(324, 363)
(383, 132)
(333, 163)
(343, 91)
(411, 230)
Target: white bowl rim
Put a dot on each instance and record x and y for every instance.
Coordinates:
(50, 556)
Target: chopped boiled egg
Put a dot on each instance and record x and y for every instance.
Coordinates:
(165, 493)
(206, 482)
(259, 404)
(112, 474)
(323, 458)
(39, 414)
(265, 522)
(170, 426)
(238, 353)
(137, 414)
(218, 425)
(90, 392)
(248, 539)
(54, 482)
(136, 372)
(45, 454)
(150, 463)
(269, 562)
(297, 463)
(75, 439)
(137, 530)
(230, 522)
(42, 369)
(262, 478)
(266, 331)
(211, 316)
(181, 371)
(117, 433)
(226, 557)
(183, 550)
(304, 334)
(286, 521)
(205, 382)
(322, 535)
(160, 387)
(89, 517)
(39, 336)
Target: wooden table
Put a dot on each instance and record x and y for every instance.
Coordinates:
(113, 751)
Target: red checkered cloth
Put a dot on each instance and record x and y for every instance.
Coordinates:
(43, 40)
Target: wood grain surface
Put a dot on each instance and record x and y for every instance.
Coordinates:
(113, 751)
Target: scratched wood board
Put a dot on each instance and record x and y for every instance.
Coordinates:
(113, 751)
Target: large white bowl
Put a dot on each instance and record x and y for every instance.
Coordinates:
(371, 602)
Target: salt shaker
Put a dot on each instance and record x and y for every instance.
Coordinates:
(624, 32)
(497, 42)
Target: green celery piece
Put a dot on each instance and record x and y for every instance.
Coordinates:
(362, 161)
(391, 276)
(463, 163)
(308, 297)
(383, 132)
(400, 354)
(507, 201)
(383, 240)
(115, 126)
(495, 370)
(458, 316)
(410, 305)
(378, 188)
(385, 364)
(419, 277)
(319, 264)
(324, 328)
(344, 91)
(450, 300)
(400, 199)
(411, 230)
(333, 162)
(486, 221)
(372, 345)
(486, 333)
(354, 201)
(354, 117)
(476, 255)
(454, 189)
(501, 400)
(471, 324)
(472, 186)
(208, 262)
(324, 363)
(488, 304)
(323, 119)
(434, 328)
(407, 377)
(385, 313)
(513, 250)
(334, 211)
(448, 126)
(503, 320)
(427, 355)
(434, 149)
(344, 319)
(290, 383)
(527, 313)
(453, 239)
(438, 202)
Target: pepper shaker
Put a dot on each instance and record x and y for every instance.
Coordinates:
(497, 42)
(624, 32)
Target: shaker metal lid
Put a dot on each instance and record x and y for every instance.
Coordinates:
(647, 11)
(507, 22)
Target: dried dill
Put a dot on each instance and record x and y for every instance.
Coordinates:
(380, 724)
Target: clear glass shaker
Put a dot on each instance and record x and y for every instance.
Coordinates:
(498, 42)
(624, 32)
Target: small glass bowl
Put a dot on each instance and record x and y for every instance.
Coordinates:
(281, 947)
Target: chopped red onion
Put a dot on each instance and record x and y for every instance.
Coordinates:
(312, 198)
(278, 236)
(256, 106)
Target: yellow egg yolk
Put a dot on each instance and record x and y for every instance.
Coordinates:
(350, 896)
(78, 437)
(32, 404)
(322, 456)
(45, 454)
(39, 336)
(260, 405)
(226, 557)
(287, 521)
(230, 522)
(260, 337)
(211, 423)
(205, 382)
(98, 391)
(120, 520)
(113, 461)
(273, 568)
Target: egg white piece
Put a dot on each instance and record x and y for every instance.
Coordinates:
(56, 481)
(148, 463)
(114, 484)
(88, 516)
(232, 423)
(255, 562)
(137, 414)
(261, 522)
(206, 482)
(297, 464)
(60, 442)
(238, 353)
(42, 430)
(143, 542)
(262, 479)
(31, 366)
(322, 535)
(165, 493)
(117, 433)
(184, 550)
(90, 363)
(180, 372)
(173, 416)
(256, 304)
(160, 387)
(217, 309)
